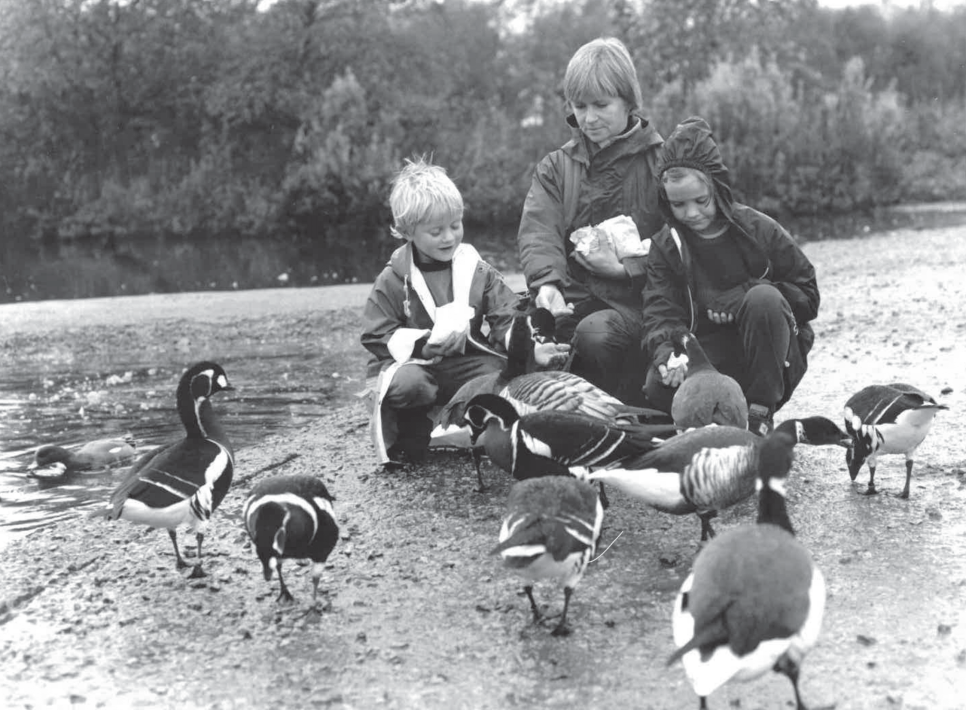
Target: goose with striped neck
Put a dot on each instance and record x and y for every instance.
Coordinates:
(887, 419)
(754, 600)
(291, 517)
(184, 482)
(707, 470)
(551, 442)
(549, 533)
(531, 390)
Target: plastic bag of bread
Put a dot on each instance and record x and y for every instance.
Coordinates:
(619, 231)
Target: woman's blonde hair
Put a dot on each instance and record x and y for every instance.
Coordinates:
(422, 192)
(603, 67)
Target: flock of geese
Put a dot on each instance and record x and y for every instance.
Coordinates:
(754, 598)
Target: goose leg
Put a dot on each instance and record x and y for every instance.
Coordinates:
(477, 459)
(562, 629)
(790, 669)
(871, 491)
(604, 500)
(180, 563)
(533, 605)
(197, 572)
(905, 491)
(284, 595)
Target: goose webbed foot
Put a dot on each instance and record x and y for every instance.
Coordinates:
(284, 595)
(905, 491)
(562, 629)
(537, 616)
(197, 572)
(179, 563)
(707, 532)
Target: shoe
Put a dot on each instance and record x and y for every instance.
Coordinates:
(402, 454)
(761, 420)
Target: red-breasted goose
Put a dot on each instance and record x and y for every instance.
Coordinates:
(291, 517)
(754, 600)
(92, 456)
(706, 396)
(551, 442)
(708, 469)
(550, 533)
(887, 419)
(184, 482)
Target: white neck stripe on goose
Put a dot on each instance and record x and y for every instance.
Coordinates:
(285, 500)
(774, 484)
(198, 402)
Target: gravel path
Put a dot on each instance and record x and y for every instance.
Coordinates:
(416, 615)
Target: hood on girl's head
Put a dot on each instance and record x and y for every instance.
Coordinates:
(692, 145)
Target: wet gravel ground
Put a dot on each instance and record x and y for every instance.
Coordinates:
(414, 614)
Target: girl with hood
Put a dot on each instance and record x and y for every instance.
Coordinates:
(608, 169)
(732, 276)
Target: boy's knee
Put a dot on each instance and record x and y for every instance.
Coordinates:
(411, 386)
(603, 330)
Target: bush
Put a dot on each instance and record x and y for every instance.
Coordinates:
(791, 151)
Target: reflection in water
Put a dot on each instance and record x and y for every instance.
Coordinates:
(70, 409)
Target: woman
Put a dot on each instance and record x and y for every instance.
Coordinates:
(607, 169)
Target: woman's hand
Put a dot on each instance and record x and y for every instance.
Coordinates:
(549, 297)
(550, 355)
(602, 261)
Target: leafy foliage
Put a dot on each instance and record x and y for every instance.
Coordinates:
(125, 123)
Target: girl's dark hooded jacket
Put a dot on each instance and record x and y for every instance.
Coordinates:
(767, 249)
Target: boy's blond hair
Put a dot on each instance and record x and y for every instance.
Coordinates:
(603, 67)
(422, 192)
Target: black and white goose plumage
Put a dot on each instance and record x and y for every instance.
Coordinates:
(887, 419)
(182, 483)
(549, 533)
(708, 469)
(754, 600)
(549, 443)
(706, 396)
(291, 517)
